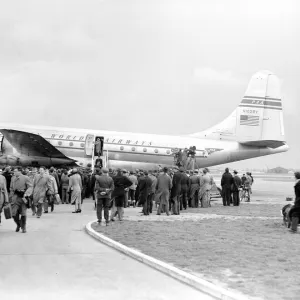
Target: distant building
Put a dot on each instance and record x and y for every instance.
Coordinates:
(278, 170)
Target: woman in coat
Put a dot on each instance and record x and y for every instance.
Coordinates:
(75, 185)
(206, 183)
(3, 193)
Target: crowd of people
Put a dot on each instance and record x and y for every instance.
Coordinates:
(169, 190)
(233, 185)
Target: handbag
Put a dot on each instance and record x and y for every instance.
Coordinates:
(29, 201)
(57, 199)
(7, 211)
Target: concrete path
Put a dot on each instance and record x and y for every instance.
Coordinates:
(56, 259)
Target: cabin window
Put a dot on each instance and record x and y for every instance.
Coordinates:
(145, 149)
(59, 143)
(156, 151)
(121, 148)
(133, 148)
(71, 144)
(168, 151)
(82, 145)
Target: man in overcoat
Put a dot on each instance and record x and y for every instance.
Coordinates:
(105, 186)
(194, 185)
(20, 188)
(226, 182)
(184, 188)
(41, 185)
(121, 182)
(176, 190)
(237, 182)
(163, 187)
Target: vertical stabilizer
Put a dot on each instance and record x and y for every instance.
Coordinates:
(259, 115)
(258, 119)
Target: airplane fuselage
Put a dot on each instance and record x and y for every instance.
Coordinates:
(129, 150)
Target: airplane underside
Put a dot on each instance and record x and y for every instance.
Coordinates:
(142, 161)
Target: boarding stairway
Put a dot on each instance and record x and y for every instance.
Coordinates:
(185, 158)
(105, 159)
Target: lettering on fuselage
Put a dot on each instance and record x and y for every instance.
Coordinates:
(107, 140)
(128, 142)
(250, 111)
(67, 137)
(117, 141)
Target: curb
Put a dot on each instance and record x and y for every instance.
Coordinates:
(194, 281)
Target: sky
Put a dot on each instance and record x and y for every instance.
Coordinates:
(164, 67)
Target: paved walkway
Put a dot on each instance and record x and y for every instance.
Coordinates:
(56, 259)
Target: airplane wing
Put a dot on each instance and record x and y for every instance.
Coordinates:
(32, 144)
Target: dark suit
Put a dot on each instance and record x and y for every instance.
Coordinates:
(226, 182)
(145, 184)
(175, 192)
(237, 182)
(121, 183)
(184, 190)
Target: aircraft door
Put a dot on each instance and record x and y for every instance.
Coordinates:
(89, 144)
(98, 149)
(97, 157)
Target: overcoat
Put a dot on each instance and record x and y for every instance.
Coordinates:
(194, 185)
(75, 185)
(21, 183)
(176, 185)
(121, 183)
(3, 192)
(105, 184)
(41, 184)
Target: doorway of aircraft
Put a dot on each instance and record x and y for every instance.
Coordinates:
(94, 149)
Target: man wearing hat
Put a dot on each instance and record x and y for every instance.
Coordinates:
(121, 183)
(125, 173)
(184, 188)
(194, 185)
(226, 183)
(105, 186)
(176, 190)
(163, 187)
(237, 182)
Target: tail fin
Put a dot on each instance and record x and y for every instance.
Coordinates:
(258, 120)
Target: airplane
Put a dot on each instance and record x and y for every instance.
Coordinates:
(255, 128)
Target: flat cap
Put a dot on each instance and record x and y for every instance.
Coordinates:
(104, 170)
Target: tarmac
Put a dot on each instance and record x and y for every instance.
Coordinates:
(56, 259)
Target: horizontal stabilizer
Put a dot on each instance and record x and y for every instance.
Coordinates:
(266, 143)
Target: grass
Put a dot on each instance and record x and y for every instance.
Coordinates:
(254, 254)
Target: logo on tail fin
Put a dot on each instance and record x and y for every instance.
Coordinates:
(249, 120)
